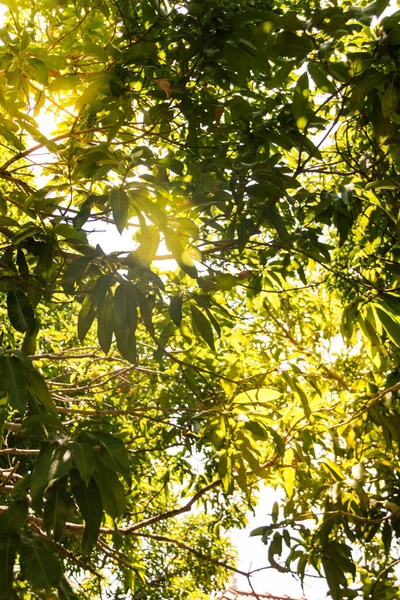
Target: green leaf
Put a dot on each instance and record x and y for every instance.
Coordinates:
(40, 477)
(282, 74)
(389, 322)
(13, 519)
(9, 545)
(120, 208)
(258, 531)
(38, 388)
(20, 311)
(389, 101)
(203, 326)
(89, 501)
(39, 565)
(125, 307)
(145, 310)
(334, 576)
(256, 429)
(180, 254)
(101, 289)
(126, 344)
(14, 381)
(85, 317)
(54, 463)
(140, 50)
(57, 508)
(111, 490)
(175, 309)
(83, 456)
(30, 341)
(21, 261)
(105, 323)
(320, 79)
(113, 453)
(291, 45)
(83, 214)
(260, 395)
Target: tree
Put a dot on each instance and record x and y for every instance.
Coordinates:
(256, 146)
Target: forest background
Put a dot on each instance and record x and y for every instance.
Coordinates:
(247, 331)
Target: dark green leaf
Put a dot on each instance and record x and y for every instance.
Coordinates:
(125, 307)
(13, 519)
(145, 310)
(113, 453)
(321, 80)
(38, 388)
(203, 326)
(89, 501)
(56, 508)
(20, 311)
(84, 212)
(54, 463)
(9, 545)
(291, 45)
(21, 262)
(175, 309)
(111, 490)
(14, 381)
(85, 317)
(39, 565)
(105, 323)
(101, 289)
(126, 344)
(83, 456)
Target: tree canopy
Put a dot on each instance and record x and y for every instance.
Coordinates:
(247, 151)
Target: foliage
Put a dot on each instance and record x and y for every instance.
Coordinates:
(246, 327)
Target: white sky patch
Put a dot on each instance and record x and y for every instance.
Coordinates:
(253, 554)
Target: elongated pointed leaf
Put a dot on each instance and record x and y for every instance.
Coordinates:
(53, 464)
(111, 490)
(91, 507)
(175, 309)
(101, 289)
(85, 317)
(20, 311)
(39, 565)
(84, 460)
(8, 550)
(56, 508)
(125, 307)
(389, 322)
(113, 453)
(120, 208)
(37, 386)
(105, 323)
(126, 344)
(14, 381)
(13, 519)
(203, 326)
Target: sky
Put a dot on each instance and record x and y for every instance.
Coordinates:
(253, 555)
